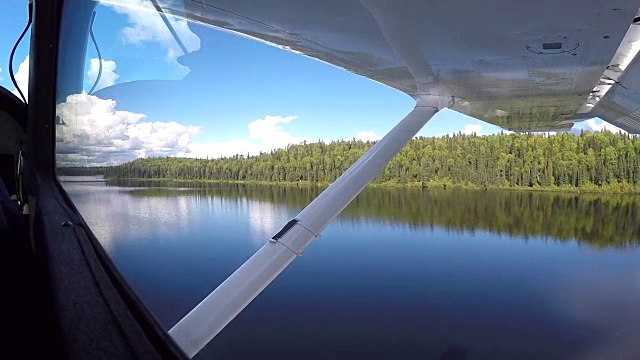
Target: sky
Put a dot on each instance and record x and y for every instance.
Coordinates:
(227, 95)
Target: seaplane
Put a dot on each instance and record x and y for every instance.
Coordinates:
(525, 66)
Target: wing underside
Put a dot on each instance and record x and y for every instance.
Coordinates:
(522, 65)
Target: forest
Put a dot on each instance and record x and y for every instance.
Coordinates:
(590, 161)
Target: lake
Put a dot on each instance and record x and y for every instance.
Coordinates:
(402, 274)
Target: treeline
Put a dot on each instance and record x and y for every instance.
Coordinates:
(593, 160)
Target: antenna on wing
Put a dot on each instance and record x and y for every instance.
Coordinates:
(95, 44)
(13, 52)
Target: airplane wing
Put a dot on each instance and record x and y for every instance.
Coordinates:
(522, 65)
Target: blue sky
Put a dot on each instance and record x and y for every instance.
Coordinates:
(13, 18)
(228, 95)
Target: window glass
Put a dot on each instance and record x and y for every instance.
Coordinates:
(186, 148)
(141, 110)
(13, 19)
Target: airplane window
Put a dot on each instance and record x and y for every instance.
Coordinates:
(14, 45)
(186, 148)
(126, 92)
(150, 94)
(150, 91)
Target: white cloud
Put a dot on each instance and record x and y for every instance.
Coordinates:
(264, 134)
(148, 27)
(108, 76)
(220, 149)
(97, 134)
(269, 131)
(22, 78)
(470, 129)
(593, 125)
(367, 136)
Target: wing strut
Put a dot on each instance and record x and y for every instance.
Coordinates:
(209, 317)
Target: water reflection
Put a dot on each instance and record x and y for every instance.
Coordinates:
(265, 219)
(597, 220)
(114, 212)
(425, 274)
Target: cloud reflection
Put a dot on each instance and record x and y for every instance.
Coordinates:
(120, 214)
(115, 213)
(265, 219)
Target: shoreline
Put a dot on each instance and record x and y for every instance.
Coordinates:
(412, 185)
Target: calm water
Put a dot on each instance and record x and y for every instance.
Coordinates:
(405, 273)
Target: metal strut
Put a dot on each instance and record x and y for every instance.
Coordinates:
(209, 317)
